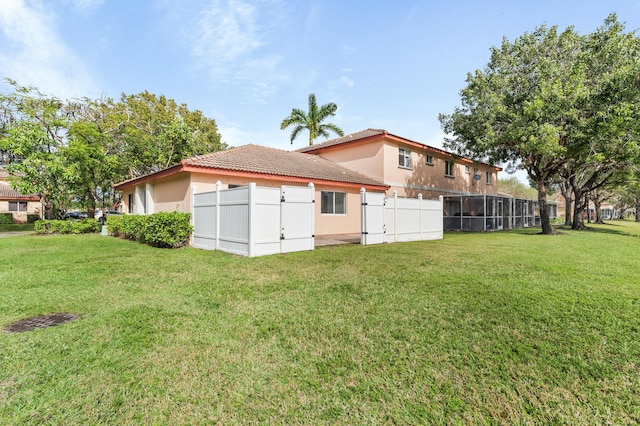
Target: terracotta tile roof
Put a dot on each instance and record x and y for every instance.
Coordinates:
(271, 161)
(8, 193)
(343, 139)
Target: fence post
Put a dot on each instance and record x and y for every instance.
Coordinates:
(217, 212)
(192, 220)
(252, 206)
(313, 215)
(441, 198)
(363, 217)
(420, 203)
(395, 216)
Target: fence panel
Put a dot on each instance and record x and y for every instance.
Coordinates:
(205, 220)
(250, 220)
(372, 217)
(297, 224)
(400, 219)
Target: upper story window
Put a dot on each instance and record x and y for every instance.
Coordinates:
(404, 158)
(448, 168)
(429, 160)
(466, 169)
(489, 178)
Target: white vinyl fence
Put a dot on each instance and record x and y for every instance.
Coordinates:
(388, 220)
(255, 221)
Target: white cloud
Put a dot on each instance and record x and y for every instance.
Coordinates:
(84, 6)
(34, 54)
(347, 81)
(228, 41)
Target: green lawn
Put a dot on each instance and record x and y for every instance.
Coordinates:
(508, 328)
(16, 227)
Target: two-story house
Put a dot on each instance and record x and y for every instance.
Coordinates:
(408, 167)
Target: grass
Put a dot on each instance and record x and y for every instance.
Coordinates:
(495, 328)
(16, 227)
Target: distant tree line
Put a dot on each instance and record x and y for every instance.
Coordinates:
(564, 107)
(72, 152)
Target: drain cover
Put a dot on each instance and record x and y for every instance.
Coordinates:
(42, 321)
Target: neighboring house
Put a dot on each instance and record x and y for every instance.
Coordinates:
(12, 201)
(408, 167)
(337, 187)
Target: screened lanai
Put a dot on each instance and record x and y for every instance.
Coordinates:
(489, 212)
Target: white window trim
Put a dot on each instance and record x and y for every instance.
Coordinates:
(333, 207)
(407, 158)
(451, 172)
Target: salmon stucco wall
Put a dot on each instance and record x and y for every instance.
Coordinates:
(174, 193)
(430, 179)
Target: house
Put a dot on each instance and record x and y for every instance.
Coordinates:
(12, 201)
(408, 167)
(373, 159)
(337, 187)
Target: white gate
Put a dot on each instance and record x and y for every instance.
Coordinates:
(297, 218)
(372, 222)
(254, 221)
(399, 219)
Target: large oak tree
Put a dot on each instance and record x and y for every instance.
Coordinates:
(551, 101)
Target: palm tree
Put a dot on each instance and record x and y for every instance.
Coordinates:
(312, 121)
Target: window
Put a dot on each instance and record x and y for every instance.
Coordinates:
(476, 174)
(448, 168)
(466, 169)
(429, 160)
(131, 199)
(404, 158)
(333, 202)
(489, 177)
(17, 206)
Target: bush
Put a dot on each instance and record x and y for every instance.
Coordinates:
(84, 226)
(32, 218)
(6, 218)
(167, 230)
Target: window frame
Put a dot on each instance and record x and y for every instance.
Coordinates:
(428, 160)
(404, 154)
(324, 208)
(489, 177)
(18, 205)
(448, 168)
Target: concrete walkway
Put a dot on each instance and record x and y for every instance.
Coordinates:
(332, 240)
(15, 234)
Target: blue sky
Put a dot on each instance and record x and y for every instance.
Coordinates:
(390, 64)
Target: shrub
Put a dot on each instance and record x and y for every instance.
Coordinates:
(167, 230)
(32, 218)
(84, 226)
(114, 224)
(6, 218)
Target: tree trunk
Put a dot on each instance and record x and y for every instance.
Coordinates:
(598, 206)
(579, 204)
(545, 221)
(637, 212)
(565, 189)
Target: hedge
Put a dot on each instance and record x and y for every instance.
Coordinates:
(33, 218)
(6, 218)
(84, 226)
(166, 230)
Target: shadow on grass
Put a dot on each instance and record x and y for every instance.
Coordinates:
(606, 228)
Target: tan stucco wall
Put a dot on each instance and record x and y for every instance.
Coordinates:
(430, 180)
(379, 160)
(174, 193)
(33, 207)
(367, 159)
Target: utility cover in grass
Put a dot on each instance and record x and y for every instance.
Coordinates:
(42, 321)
